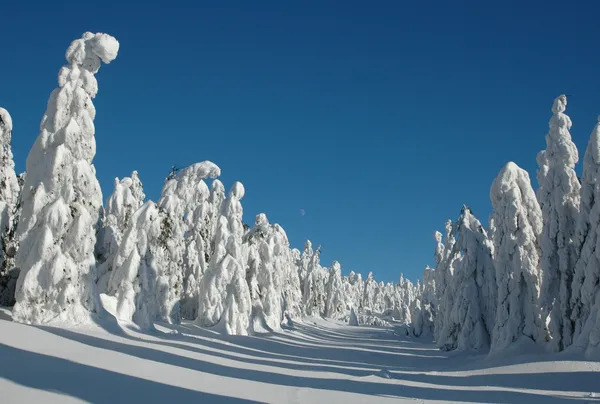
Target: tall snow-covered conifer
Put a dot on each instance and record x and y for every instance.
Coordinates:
(61, 196)
(471, 318)
(515, 227)
(125, 200)
(184, 204)
(335, 306)
(9, 204)
(133, 280)
(224, 296)
(559, 198)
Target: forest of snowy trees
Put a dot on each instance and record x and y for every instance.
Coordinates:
(530, 277)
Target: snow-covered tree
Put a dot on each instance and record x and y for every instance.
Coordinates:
(354, 289)
(378, 298)
(368, 298)
(587, 270)
(559, 198)
(406, 296)
(335, 306)
(471, 318)
(9, 206)
(285, 262)
(224, 296)
(305, 261)
(515, 228)
(126, 199)
(265, 276)
(313, 296)
(133, 280)
(426, 306)
(445, 258)
(211, 219)
(61, 197)
(184, 202)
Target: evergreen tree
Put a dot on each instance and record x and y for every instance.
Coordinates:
(61, 197)
(559, 198)
(10, 190)
(516, 225)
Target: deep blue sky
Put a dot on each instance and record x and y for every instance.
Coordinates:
(379, 119)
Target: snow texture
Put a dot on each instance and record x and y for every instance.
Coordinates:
(515, 227)
(61, 197)
(559, 198)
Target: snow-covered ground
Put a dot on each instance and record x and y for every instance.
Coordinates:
(317, 361)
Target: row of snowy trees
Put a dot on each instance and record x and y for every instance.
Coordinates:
(533, 275)
(65, 257)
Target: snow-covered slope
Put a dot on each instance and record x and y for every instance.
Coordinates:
(315, 362)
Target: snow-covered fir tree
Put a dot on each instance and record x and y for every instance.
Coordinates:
(368, 297)
(126, 199)
(9, 206)
(305, 261)
(423, 306)
(515, 228)
(211, 219)
(445, 258)
(559, 198)
(184, 202)
(285, 262)
(313, 296)
(335, 306)
(471, 318)
(133, 280)
(587, 271)
(224, 296)
(61, 197)
(266, 277)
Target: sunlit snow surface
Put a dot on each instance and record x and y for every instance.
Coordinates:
(317, 361)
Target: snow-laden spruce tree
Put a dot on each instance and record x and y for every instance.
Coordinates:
(184, 202)
(559, 198)
(136, 270)
(335, 306)
(313, 296)
(264, 275)
(354, 289)
(406, 297)
(445, 258)
(368, 298)
(211, 219)
(471, 318)
(425, 306)
(285, 261)
(515, 228)
(126, 199)
(9, 205)
(305, 261)
(587, 269)
(379, 298)
(61, 197)
(224, 296)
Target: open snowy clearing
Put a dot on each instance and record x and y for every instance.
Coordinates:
(318, 361)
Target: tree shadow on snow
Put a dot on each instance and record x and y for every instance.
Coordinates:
(368, 387)
(92, 384)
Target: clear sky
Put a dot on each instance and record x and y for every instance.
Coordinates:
(378, 120)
